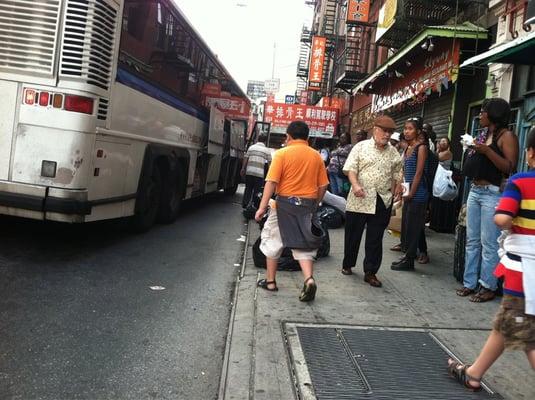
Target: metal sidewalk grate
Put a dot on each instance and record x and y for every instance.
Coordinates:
(378, 364)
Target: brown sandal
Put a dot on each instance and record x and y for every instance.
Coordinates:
(423, 259)
(464, 291)
(347, 271)
(483, 296)
(458, 372)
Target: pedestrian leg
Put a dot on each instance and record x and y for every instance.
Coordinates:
(354, 227)
(376, 226)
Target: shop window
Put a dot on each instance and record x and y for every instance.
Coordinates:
(523, 81)
(513, 125)
(531, 79)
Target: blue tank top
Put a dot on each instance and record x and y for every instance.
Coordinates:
(409, 170)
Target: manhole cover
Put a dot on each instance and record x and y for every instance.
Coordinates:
(370, 363)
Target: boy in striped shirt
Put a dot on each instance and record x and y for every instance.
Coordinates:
(514, 324)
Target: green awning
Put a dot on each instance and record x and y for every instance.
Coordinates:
(518, 51)
(466, 30)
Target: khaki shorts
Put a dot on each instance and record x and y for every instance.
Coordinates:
(271, 242)
(517, 327)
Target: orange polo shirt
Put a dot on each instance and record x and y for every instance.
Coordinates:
(298, 170)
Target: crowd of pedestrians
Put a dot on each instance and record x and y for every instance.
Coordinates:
(390, 168)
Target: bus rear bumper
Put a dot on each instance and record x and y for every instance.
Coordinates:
(43, 203)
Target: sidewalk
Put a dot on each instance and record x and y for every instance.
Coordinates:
(262, 364)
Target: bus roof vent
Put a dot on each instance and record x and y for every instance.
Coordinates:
(28, 31)
(89, 43)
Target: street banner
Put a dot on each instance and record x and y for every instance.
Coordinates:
(233, 107)
(322, 121)
(317, 59)
(358, 11)
(431, 73)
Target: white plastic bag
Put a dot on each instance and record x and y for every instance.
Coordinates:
(443, 186)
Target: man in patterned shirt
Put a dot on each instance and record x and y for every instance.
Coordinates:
(374, 170)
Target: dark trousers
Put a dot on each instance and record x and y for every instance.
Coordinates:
(375, 225)
(253, 184)
(413, 225)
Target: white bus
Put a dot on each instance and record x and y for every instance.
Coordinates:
(102, 113)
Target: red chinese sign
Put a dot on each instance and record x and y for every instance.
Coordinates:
(358, 11)
(435, 71)
(322, 121)
(233, 107)
(317, 59)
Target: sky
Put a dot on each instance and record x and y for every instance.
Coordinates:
(244, 37)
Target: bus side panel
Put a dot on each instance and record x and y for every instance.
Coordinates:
(9, 92)
(139, 114)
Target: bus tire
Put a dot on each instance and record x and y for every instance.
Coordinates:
(172, 196)
(230, 191)
(151, 193)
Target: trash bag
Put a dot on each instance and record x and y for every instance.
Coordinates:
(325, 247)
(331, 216)
(286, 261)
(443, 186)
(335, 201)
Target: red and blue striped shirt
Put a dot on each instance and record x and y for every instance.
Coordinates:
(517, 201)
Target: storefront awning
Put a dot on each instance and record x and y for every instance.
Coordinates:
(466, 30)
(518, 51)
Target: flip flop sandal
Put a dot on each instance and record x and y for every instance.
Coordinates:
(458, 372)
(264, 284)
(483, 296)
(464, 291)
(423, 259)
(309, 291)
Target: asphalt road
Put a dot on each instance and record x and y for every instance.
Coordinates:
(78, 319)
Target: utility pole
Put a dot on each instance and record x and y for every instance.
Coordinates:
(274, 54)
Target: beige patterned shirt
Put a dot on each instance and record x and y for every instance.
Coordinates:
(375, 169)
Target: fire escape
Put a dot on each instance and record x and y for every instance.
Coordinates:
(412, 15)
(329, 30)
(304, 57)
(352, 63)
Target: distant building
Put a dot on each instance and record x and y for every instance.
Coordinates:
(256, 89)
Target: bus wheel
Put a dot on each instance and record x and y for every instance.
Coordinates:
(231, 190)
(151, 193)
(172, 195)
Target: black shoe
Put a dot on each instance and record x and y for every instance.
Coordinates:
(406, 264)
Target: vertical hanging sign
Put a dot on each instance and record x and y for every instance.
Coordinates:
(317, 59)
(358, 11)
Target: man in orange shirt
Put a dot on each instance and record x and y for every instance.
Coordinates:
(297, 175)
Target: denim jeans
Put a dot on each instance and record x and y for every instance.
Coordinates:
(337, 184)
(481, 237)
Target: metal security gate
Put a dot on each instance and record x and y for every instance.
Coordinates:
(372, 363)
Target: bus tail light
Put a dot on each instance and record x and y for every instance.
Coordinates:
(57, 101)
(78, 104)
(44, 97)
(29, 96)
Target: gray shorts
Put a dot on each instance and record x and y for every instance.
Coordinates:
(271, 241)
